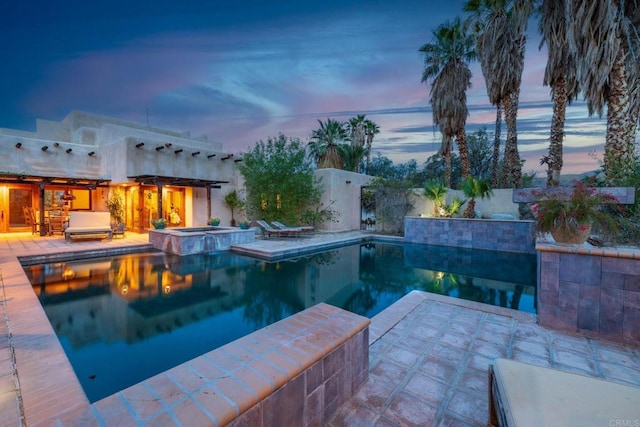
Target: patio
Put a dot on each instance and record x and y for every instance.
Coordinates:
(429, 355)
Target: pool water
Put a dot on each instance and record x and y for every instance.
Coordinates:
(126, 318)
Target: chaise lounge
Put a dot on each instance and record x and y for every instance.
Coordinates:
(301, 228)
(268, 230)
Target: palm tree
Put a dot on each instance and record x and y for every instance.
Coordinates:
(352, 156)
(446, 62)
(560, 76)
(501, 27)
(472, 188)
(325, 141)
(601, 36)
(355, 127)
(371, 129)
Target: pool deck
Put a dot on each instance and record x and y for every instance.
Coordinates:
(429, 354)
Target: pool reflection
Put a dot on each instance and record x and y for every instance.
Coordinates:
(123, 319)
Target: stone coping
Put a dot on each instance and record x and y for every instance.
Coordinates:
(223, 383)
(587, 249)
(275, 250)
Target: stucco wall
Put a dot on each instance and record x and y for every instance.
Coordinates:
(501, 202)
(342, 194)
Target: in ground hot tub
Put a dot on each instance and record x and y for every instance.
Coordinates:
(198, 240)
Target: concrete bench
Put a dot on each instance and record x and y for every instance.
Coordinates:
(521, 394)
(88, 223)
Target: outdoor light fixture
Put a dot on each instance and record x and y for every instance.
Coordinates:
(92, 153)
(69, 150)
(160, 147)
(139, 144)
(45, 148)
(178, 151)
(19, 144)
(228, 156)
(210, 156)
(195, 153)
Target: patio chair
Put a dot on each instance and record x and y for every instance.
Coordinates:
(301, 228)
(268, 230)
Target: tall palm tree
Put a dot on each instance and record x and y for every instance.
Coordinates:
(355, 127)
(560, 75)
(446, 62)
(601, 35)
(371, 129)
(501, 27)
(324, 144)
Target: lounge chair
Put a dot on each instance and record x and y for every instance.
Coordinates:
(268, 230)
(300, 229)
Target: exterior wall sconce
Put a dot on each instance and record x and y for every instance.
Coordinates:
(210, 156)
(19, 144)
(92, 153)
(45, 148)
(347, 182)
(139, 144)
(195, 153)
(178, 151)
(160, 147)
(228, 156)
(69, 150)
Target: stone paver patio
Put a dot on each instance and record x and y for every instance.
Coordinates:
(429, 354)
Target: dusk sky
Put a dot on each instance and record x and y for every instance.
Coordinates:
(244, 71)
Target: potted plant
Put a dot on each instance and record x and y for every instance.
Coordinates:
(244, 225)
(115, 204)
(232, 199)
(214, 220)
(569, 213)
(159, 223)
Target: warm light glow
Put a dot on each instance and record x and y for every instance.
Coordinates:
(167, 289)
(68, 274)
(124, 290)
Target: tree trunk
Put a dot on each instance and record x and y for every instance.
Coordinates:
(464, 153)
(554, 164)
(470, 211)
(618, 154)
(512, 167)
(495, 158)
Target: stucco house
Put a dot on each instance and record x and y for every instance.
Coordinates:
(80, 162)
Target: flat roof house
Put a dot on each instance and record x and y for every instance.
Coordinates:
(78, 163)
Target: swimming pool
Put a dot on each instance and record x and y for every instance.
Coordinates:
(123, 319)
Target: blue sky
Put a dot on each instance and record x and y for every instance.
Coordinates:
(243, 71)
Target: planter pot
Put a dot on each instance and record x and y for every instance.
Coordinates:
(244, 226)
(159, 227)
(562, 236)
(214, 223)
